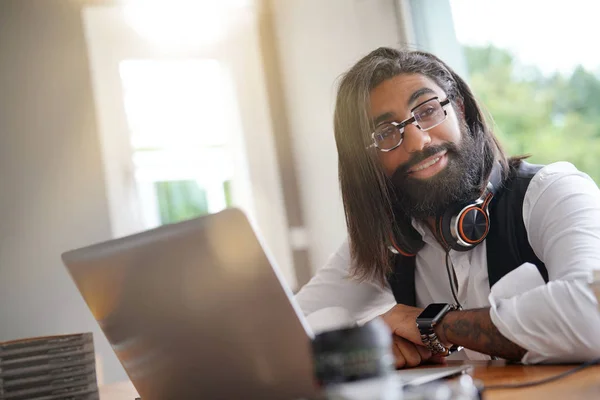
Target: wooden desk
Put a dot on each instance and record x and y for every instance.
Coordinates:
(584, 384)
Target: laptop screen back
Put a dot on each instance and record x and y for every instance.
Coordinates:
(196, 310)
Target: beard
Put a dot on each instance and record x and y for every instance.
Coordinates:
(460, 181)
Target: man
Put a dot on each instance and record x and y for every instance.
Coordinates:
(420, 170)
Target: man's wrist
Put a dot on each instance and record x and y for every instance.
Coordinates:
(474, 330)
(439, 328)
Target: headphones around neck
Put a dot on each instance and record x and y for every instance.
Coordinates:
(464, 225)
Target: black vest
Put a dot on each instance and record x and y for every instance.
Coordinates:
(507, 245)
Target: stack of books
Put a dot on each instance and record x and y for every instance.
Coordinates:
(49, 368)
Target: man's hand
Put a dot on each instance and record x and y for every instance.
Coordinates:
(408, 354)
(402, 320)
(408, 348)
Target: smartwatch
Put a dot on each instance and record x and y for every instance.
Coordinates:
(426, 323)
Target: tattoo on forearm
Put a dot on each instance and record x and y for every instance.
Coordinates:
(474, 330)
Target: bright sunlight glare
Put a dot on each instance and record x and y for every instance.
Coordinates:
(182, 24)
(552, 35)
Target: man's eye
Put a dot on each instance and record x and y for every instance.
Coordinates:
(381, 136)
(426, 113)
(386, 131)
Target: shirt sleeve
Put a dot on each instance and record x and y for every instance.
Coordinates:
(332, 286)
(559, 321)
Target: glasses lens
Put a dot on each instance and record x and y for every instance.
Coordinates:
(429, 114)
(387, 136)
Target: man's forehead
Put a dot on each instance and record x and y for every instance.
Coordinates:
(399, 94)
(404, 85)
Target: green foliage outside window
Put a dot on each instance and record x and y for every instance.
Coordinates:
(227, 190)
(182, 200)
(553, 118)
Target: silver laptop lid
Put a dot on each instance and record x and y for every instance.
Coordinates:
(196, 310)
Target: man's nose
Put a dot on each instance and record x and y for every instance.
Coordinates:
(415, 139)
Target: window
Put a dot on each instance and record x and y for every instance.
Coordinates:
(184, 125)
(534, 66)
(177, 113)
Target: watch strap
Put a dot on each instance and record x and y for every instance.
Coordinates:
(431, 340)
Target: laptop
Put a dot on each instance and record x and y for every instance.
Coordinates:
(196, 310)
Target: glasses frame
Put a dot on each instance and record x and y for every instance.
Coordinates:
(412, 120)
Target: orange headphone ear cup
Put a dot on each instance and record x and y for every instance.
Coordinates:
(473, 225)
(400, 249)
(443, 228)
(408, 245)
(463, 226)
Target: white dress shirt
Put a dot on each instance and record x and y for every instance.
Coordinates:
(558, 321)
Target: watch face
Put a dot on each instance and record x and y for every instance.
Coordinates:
(432, 310)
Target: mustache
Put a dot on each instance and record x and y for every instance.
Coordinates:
(416, 158)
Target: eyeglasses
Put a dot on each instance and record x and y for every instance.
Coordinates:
(425, 116)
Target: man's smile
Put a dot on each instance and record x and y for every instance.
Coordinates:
(430, 166)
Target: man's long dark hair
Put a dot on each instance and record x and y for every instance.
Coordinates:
(371, 217)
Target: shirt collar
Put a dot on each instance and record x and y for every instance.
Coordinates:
(426, 234)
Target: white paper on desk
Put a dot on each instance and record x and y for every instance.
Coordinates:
(329, 319)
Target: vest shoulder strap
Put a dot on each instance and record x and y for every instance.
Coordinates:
(402, 280)
(507, 243)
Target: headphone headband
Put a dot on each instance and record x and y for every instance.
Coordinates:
(495, 180)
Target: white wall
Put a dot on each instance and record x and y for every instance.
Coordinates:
(52, 194)
(317, 41)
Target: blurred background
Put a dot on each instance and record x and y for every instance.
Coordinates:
(120, 116)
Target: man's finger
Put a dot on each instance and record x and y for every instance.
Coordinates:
(409, 351)
(438, 359)
(400, 360)
(424, 352)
